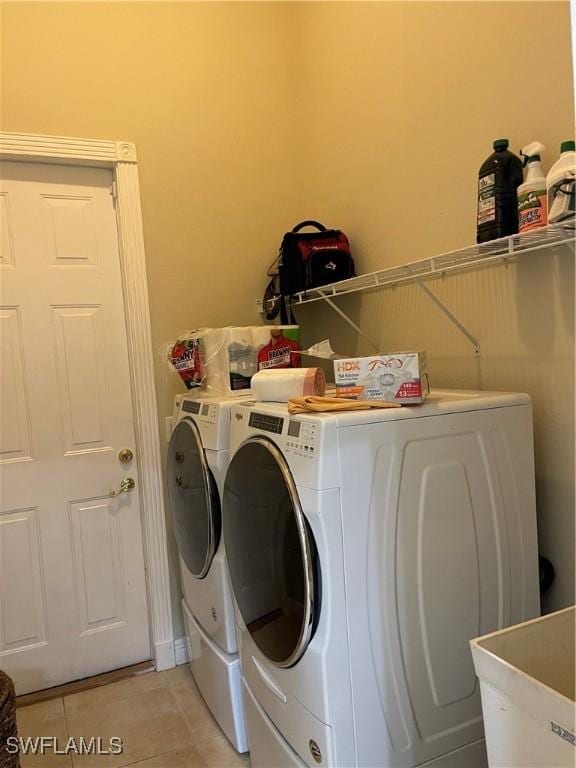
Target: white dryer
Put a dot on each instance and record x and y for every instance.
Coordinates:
(365, 549)
(197, 462)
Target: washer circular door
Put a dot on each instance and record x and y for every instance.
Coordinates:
(270, 551)
(193, 499)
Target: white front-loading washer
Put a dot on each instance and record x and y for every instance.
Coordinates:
(365, 550)
(197, 462)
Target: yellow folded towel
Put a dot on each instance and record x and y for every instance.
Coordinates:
(329, 404)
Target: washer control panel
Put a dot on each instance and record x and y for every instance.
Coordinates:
(204, 412)
(266, 423)
(302, 438)
(207, 413)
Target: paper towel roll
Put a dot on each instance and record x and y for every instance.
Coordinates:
(231, 356)
(278, 385)
(229, 360)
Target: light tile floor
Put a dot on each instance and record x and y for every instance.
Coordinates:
(160, 717)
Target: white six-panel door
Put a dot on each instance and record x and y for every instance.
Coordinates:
(72, 582)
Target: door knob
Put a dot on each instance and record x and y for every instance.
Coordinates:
(125, 456)
(128, 484)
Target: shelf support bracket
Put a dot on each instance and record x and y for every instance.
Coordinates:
(345, 317)
(444, 309)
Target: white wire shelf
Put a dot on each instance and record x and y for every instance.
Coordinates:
(472, 257)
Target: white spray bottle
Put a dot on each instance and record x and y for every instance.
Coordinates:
(532, 200)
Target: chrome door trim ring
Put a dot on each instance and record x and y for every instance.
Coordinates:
(210, 549)
(308, 619)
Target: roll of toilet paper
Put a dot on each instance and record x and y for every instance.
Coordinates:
(278, 385)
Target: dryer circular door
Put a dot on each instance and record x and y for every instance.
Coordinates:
(270, 550)
(194, 499)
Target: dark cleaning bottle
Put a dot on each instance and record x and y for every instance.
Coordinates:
(498, 180)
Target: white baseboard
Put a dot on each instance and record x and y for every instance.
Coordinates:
(181, 650)
(164, 655)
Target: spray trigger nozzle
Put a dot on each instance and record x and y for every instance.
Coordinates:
(531, 150)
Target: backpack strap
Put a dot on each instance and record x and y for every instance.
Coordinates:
(286, 314)
(309, 223)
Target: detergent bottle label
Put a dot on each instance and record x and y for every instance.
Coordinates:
(561, 199)
(486, 198)
(532, 210)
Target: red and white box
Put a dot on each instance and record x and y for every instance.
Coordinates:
(401, 377)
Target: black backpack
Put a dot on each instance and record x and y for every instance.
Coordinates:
(311, 259)
(306, 260)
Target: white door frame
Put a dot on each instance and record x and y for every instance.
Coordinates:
(120, 158)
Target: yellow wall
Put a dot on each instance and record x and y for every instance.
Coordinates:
(203, 89)
(402, 101)
(250, 116)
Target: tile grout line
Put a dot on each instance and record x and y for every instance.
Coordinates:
(67, 728)
(179, 707)
(122, 698)
(125, 698)
(181, 710)
(186, 723)
(188, 726)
